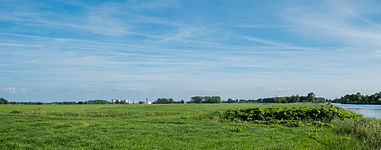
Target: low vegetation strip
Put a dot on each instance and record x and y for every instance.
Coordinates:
(367, 129)
(324, 113)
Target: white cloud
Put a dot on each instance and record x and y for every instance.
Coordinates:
(18, 45)
(338, 21)
(276, 43)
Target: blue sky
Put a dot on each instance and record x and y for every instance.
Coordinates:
(59, 50)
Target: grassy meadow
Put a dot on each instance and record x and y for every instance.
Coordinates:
(176, 126)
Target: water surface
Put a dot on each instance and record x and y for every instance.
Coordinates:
(370, 111)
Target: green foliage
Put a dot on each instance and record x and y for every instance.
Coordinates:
(25, 103)
(324, 113)
(358, 98)
(97, 102)
(196, 99)
(237, 129)
(367, 129)
(285, 99)
(205, 99)
(3, 101)
(164, 101)
(311, 97)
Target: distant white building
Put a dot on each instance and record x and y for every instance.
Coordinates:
(128, 101)
(115, 101)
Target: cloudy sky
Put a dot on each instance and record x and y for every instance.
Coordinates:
(59, 50)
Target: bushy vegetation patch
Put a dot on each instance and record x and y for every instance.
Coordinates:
(294, 116)
(367, 129)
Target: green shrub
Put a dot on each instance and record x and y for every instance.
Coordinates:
(322, 114)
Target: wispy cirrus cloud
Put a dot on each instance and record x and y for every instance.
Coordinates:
(339, 21)
(183, 48)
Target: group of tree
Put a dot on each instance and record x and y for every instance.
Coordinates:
(284, 99)
(3, 101)
(82, 102)
(164, 101)
(168, 101)
(217, 99)
(205, 99)
(358, 98)
(25, 103)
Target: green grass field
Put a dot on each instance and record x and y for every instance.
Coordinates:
(173, 126)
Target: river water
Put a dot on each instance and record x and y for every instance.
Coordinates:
(370, 111)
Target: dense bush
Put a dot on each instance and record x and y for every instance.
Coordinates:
(324, 114)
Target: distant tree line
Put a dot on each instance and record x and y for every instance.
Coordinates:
(354, 98)
(168, 101)
(205, 99)
(83, 102)
(217, 99)
(95, 102)
(358, 98)
(3, 101)
(284, 99)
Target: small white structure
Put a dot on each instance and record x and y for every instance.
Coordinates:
(128, 101)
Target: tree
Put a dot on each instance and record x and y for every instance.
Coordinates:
(196, 99)
(231, 100)
(216, 99)
(3, 101)
(295, 98)
(207, 99)
(164, 101)
(171, 101)
(358, 98)
(311, 97)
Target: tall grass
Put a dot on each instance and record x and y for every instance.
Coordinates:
(367, 129)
